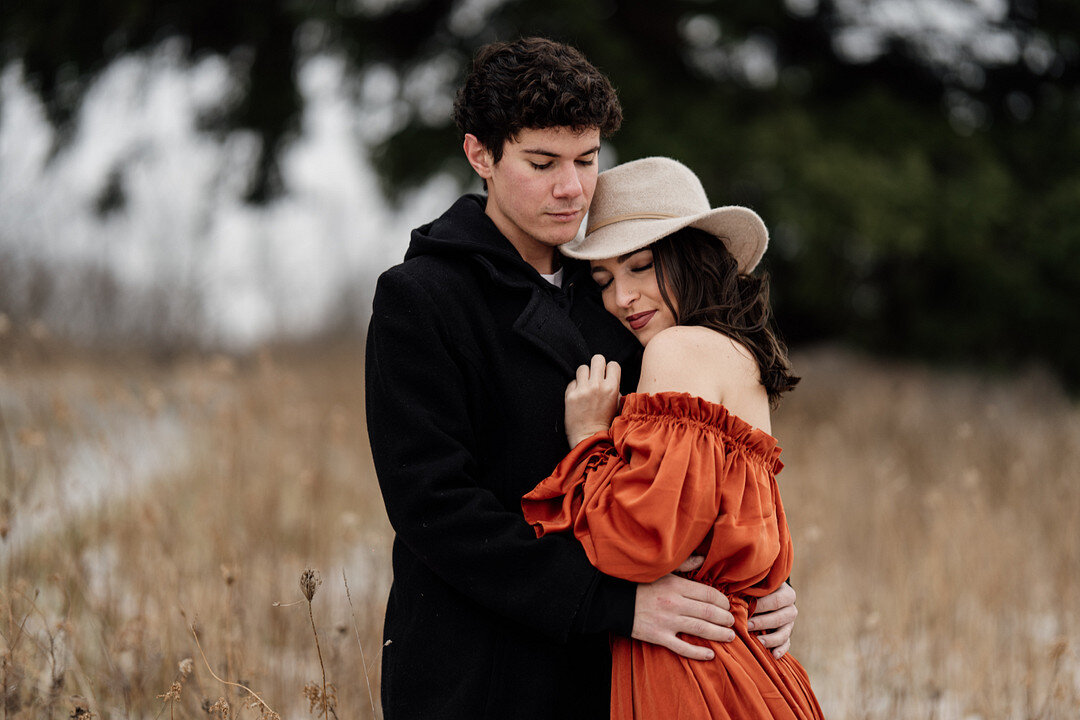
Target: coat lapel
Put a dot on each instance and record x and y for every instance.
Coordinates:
(542, 324)
(551, 331)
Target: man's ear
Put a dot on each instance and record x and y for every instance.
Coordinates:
(478, 156)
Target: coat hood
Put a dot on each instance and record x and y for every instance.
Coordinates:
(465, 229)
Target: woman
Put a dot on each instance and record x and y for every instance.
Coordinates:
(688, 466)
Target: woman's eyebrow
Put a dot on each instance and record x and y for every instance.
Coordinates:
(627, 256)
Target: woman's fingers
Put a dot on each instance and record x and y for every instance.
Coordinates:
(582, 376)
(597, 367)
(595, 372)
(613, 374)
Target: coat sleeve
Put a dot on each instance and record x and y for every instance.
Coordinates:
(425, 451)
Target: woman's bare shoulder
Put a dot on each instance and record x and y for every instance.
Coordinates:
(696, 360)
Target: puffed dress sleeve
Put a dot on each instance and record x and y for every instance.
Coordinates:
(643, 496)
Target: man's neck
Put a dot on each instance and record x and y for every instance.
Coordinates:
(545, 263)
(542, 257)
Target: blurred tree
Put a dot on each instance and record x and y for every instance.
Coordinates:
(915, 160)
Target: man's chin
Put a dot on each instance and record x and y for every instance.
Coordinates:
(565, 236)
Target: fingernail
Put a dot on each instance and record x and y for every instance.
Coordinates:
(710, 655)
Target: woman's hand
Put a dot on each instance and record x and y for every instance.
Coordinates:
(592, 399)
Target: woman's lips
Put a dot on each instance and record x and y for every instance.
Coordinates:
(639, 320)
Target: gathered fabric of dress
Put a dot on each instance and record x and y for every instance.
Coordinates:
(677, 475)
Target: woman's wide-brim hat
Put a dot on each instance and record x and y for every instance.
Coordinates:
(637, 203)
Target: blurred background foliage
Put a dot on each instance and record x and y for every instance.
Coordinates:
(916, 161)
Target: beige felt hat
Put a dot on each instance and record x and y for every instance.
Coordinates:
(639, 202)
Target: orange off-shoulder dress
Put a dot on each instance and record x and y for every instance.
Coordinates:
(677, 475)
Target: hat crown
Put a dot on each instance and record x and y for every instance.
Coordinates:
(642, 201)
(652, 186)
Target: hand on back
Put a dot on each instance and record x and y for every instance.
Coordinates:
(674, 605)
(592, 399)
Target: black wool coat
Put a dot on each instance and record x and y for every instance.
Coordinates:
(469, 353)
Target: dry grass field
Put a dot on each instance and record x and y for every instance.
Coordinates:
(936, 518)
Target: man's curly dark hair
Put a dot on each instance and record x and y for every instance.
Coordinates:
(533, 83)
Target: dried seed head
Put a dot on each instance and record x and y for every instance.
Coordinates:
(320, 702)
(310, 582)
(219, 709)
(81, 708)
(173, 693)
(186, 666)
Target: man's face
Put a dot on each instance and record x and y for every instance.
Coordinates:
(540, 190)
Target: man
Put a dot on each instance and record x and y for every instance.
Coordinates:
(472, 342)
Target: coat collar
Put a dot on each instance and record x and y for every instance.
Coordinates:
(565, 334)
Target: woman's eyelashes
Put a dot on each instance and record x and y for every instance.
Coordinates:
(604, 281)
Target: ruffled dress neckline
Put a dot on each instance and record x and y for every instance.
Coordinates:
(681, 407)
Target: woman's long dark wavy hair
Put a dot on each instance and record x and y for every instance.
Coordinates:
(695, 270)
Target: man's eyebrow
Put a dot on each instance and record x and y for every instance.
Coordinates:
(548, 153)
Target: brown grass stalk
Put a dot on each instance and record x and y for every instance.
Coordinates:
(359, 644)
(264, 708)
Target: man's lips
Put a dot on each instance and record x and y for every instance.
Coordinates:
(565, 214)
(639, 320)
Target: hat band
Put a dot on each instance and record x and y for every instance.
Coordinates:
(630, 216)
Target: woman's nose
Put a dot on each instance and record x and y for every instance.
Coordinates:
(625, 294)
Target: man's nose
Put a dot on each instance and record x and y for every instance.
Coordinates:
(568, 184)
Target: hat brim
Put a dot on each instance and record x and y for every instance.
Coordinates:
(740, 229)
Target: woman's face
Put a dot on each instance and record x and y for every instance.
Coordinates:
(630, 292)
